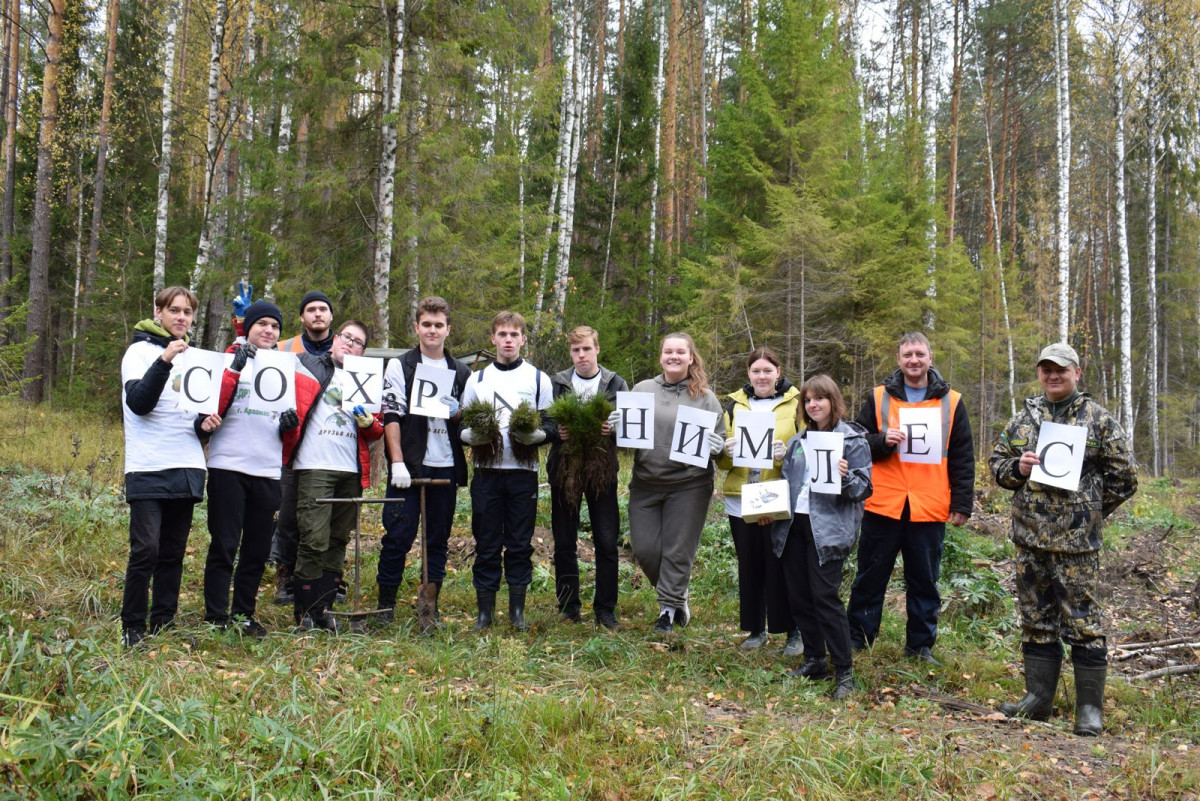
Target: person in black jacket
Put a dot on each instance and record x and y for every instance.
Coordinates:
(420, 447)
(586, 378)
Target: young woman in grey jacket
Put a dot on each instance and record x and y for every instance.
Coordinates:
(822, 532)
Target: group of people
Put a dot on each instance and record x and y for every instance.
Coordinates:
(789, 566)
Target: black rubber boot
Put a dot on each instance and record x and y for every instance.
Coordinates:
(1089, 700)
(303, 597)
(387, 602)
(284, 594)
(516, 608)
(437, 615)
(813, 668)
(1041, 680)
(486, 601)
(843, 683)
(566, 589)
(324, 589)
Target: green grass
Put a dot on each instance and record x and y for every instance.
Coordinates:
(559, 712)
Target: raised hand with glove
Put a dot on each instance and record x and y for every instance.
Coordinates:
(245, 352)
(242, 301)
(400, 476)
(361, 416)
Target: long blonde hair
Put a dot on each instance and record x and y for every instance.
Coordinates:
(697, 378)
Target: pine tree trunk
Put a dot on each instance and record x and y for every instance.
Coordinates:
(387, 182)
(669, 111)
(164, 156)
(37, 323)
(412, 164)
(8, 205)
(1062, 25)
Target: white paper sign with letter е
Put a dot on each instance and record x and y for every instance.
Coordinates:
(689, 440)
(753, 434)
(1060, 449)
(362, 383)
(272, 378)
(199, 374)
(635, 429)
(922, 429)
(822, 452)
(429, 384)
(767, 499)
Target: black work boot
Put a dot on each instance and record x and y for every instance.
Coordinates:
(303, 597)
(814, 667)
(1041, 680)
(1089, 700)
(284, 594)
(324, 590)
(843, 683)
(486, 601)
(566, 589)
(387, 603)
(516, 608)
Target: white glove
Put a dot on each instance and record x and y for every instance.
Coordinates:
(716, 443)
(468, 437)
(400, 477)
(729, 445)
(451, 403)
(614, 419)
(534, 437)
(778, 450)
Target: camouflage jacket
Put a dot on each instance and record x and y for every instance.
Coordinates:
(1052, 519)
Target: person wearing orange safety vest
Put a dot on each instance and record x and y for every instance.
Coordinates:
(912, 501)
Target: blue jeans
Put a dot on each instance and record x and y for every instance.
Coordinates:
(401, 520)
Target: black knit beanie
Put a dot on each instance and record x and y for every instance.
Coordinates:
(258, 310)
(316, 295)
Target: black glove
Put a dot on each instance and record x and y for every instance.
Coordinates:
(288, 420)
(244, 353)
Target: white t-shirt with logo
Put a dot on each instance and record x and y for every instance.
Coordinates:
(165, 438)
(395, 398)
(330, 435)
(506, 390)
(248, 439)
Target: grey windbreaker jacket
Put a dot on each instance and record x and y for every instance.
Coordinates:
(835, 518)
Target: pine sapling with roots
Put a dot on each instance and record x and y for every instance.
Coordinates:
(525, 419)
(480, 417)
(589, 458)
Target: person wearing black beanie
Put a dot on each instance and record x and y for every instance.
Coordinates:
(258, 310)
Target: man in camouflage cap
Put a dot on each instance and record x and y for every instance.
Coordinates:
(1058, 536)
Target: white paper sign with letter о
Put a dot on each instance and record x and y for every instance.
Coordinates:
(272, 381)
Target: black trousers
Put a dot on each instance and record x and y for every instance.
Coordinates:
(762, 584)
(158, 534)
(813, 591)
(287, 529)
(606, 526)
(503, 511)
(401, 521)
(240, 511)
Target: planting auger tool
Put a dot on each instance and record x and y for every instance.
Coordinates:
(426, 593)
(358, 616)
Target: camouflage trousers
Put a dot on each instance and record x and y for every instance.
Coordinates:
(1056, 593)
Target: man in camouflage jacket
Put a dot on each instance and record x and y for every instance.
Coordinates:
(1058, 535)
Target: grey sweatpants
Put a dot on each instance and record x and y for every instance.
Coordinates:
(664, 529)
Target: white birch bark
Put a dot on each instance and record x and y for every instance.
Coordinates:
(1062, 26)
(929, 91)
(164, 157)
(1152, 356)
(282, 148)
(1124, 290)
(523, 150)
(211, 141)
(387, 184)
(658, 99)
(612, 208)
(245, 191)
(567, 224)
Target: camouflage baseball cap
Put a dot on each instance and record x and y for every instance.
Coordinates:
(1061, 354)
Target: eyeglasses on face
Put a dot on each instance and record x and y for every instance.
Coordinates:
(350, 339)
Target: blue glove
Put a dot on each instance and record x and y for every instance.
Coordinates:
(242, 301)
(361, 417)
(451, 402)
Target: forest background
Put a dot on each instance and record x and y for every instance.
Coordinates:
(812, 175)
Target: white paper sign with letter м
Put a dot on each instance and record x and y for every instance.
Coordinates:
(922, 427)
(635, 429)
(753, 434)
(362, 383)
(689, 440)
(429, 384)
(1060, 449)
(272, 378)
(199, 374)
(822, 452)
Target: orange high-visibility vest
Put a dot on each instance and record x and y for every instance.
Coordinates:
(293, 344)
(926, 487)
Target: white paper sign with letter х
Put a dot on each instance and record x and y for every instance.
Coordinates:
(768, 499)
(753, 434)
(429, 384)
(362, 383)
(689, 440)
(635, 428)
(1060, 449)
(822, 452)
(922, 427)
(273, 385)
(199, 374)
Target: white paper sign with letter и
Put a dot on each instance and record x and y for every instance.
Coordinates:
(429, 384)
(362, 383)
(922, 427)
(635, 427)
(1061, 450)
(689, 440)
(753, 435)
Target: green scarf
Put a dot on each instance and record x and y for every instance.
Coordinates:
(152, 326)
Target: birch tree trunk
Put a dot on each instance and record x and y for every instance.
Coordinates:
(211, 145)
(164, 154)
(567, 193)
(1152, 356)
(667, 127)
(387, 183)
(245, 190)
(37, 322)
(658, 131)
(929, 104)
(1062, 26)
(1124, 290)
(8, 205)
(955, 101)
(282, 148)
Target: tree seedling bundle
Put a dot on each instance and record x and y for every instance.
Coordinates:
(589, 458)
(525, 419)
(480, 417)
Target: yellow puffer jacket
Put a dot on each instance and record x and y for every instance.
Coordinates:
(786, 407)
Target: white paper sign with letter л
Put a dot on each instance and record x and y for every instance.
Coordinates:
(635, 429)
(822, 452)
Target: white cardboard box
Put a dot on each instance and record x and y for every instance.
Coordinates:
(767, 499)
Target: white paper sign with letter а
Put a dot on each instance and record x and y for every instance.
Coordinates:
(689, 440)
(273, 385)
(1060, 449)
(199, 376)
(822, 452)
(429, 384)
(922, 427)
(753, 434)
(362, 383)
(635, 429)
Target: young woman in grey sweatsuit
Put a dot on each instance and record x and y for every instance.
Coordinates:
(668, 500)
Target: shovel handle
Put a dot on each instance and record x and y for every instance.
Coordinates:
(431, 482)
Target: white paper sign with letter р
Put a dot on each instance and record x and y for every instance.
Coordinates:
(429, 384)
(689, 440)
(768, 499)
(272, 377)
(1060, 449)
(753, 434)
(362, 383)
(822, 452)
(635, 429)
(199, 375)
(922, 429)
